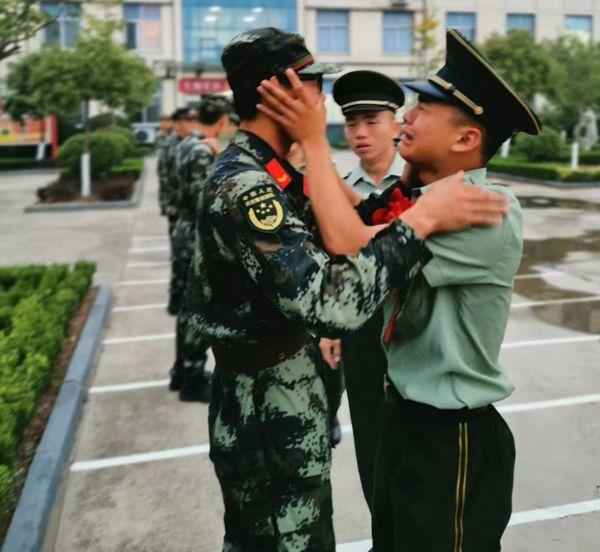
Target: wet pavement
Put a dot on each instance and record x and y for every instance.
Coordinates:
(140, 479)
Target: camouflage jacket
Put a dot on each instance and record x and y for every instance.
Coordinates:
(193, 160)
(162, 145)
(170, 185)
(258, 269)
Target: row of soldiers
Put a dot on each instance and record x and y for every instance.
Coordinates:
(190, 139)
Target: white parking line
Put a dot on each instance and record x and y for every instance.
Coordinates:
(539, 275)
(143, 282)
(149, 238)
(149, 249)
(518, 518)
(99, 389)
(148, 264)
(149, 306)
(552, 341)
(556, 302)
(137, 339)
(204, 448)
(139, 458)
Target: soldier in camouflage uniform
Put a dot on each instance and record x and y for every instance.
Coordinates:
(160, 148)
(193, 158)
(259, 282)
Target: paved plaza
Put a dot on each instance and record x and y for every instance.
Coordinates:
(140, 479)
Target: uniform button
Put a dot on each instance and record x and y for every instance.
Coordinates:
(281, 356)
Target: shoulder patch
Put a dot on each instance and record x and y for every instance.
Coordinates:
(262, 208)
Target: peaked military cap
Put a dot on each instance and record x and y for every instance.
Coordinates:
(469, 81)
(262, 53)
(367, 91)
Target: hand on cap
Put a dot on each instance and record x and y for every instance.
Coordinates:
(450, 204)
(302, 117)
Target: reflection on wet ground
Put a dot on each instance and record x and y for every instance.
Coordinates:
(541, 202)
(582, 317)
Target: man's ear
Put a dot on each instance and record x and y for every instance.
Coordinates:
(469, 138)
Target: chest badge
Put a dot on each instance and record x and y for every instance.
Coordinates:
(262, 209)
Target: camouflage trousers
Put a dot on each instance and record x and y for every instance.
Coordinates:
(190, 350)
(270, 446)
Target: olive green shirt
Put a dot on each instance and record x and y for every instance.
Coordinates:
(364, 185)
(445, 342)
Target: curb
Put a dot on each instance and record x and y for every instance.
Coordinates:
(550, 183)
(30, 520)
(98, 206)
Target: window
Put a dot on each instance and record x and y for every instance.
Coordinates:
(142, 27)
(524, 21)
(209, 25)
(463, 22)
(332, 31)
(152, 113)
(67, 21)
(579, 25)
(397, 32)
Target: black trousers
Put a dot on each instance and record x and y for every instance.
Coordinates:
(365, 364)
(443, 479)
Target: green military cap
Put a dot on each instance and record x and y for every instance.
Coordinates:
(367, 91)
(469, 81)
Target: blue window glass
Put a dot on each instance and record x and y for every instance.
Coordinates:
(524, 21)
(579, 24)
(67, 21)
(332, 32)
(463, 22)
(397, 32)
(209, 25)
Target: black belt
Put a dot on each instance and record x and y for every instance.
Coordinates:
(268, 352)
(392, 396)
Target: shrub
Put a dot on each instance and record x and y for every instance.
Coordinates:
(107, 150)
(549, 146)
(104, 120)
(37, 304)
(542, 171)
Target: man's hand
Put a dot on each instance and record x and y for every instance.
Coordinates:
(331, 351)
(450, 205)
(303, 118)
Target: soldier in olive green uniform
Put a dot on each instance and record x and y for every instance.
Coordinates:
(193, 159)
(445, 460)
(259, 281)
(369, 101)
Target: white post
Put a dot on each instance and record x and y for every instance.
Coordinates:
(41, 148)
(575, 155)
(505, 149)
(86, 182)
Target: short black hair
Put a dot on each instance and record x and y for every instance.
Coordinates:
(212, 108)
(180, 114)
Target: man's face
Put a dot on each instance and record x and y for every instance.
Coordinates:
(371, 134)
(165, 126)
(428, 133)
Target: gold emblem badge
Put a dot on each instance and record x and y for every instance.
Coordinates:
(263, 209)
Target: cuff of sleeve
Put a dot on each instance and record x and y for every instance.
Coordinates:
(404, 253)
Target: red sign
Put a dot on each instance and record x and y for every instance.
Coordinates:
(196, 85)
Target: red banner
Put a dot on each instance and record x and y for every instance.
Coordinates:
(197, 85)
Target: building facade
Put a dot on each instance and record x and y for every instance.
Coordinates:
(182, 39)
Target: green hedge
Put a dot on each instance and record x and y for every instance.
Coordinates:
(36, 305)
(543, 171)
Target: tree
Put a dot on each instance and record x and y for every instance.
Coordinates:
(575, 83)
(427, 59)
(527, 66)
(19, 21)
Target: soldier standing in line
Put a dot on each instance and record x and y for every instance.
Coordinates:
(260, 280)
(163, 142)
(193, 158)
(369, 101)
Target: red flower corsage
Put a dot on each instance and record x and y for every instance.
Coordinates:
(397, 204)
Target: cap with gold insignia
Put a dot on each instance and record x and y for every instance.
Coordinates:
(469, 81)
(367, 91)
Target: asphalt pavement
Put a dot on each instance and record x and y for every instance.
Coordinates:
(140, 478)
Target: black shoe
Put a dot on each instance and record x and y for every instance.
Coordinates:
(336, 433)
(176, 379)
(196, 393)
